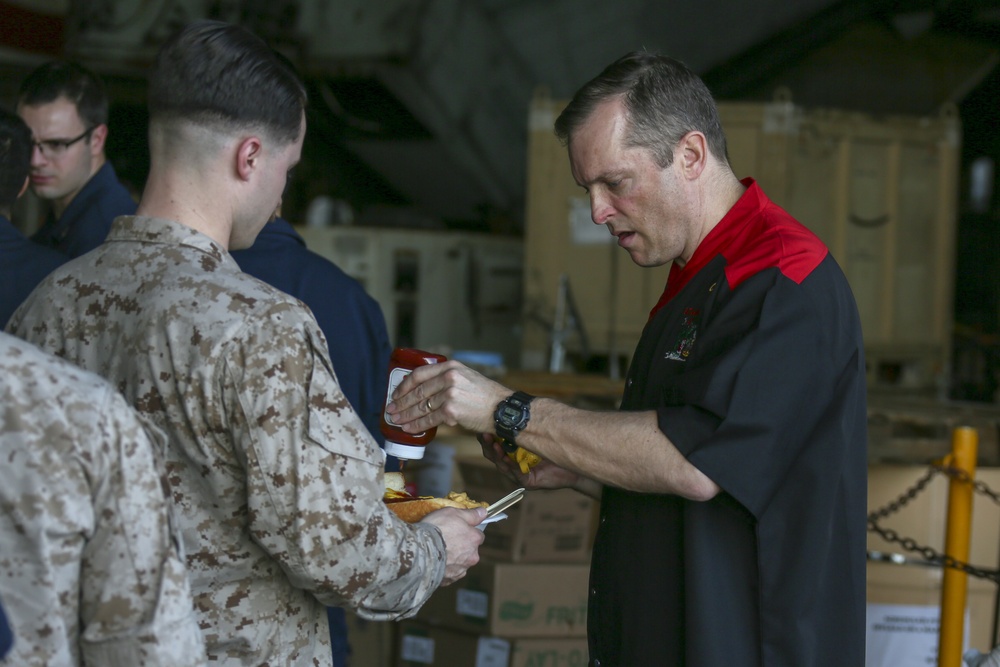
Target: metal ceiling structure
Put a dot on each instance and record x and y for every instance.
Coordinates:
(423, 104)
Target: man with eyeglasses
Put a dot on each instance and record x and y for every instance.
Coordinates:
(66, 107)
(23, 264)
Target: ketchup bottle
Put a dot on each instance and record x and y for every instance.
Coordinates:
(399, 443)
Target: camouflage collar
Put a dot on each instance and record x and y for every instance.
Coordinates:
(143, 229)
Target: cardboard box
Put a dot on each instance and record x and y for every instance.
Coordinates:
(514, 600)
(546, 527)
(422, 645)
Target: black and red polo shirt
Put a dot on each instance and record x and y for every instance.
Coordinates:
(754, 362)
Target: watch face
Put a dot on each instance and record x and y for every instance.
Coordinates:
(510, 415)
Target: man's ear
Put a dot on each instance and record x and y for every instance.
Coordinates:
(98, 136)
(248, 155)
(24, 186)
(693, 154)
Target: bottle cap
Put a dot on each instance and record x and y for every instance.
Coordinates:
(401, 451)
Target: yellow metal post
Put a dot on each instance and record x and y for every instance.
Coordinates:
(954, 590)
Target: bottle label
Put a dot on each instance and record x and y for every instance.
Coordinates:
(396, 376)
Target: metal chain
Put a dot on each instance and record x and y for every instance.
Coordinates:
(930, 554)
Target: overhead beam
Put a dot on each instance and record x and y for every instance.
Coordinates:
(449, 65)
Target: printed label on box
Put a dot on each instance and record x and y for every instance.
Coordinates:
(417, 649)
(553, 653)
(900, 634)
(472, 603)
(492, 652)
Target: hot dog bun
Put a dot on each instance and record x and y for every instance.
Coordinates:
(412, 508)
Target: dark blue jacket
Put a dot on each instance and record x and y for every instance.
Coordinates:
(354, 327)
(6, 636)
(23, 264)
(85, 223)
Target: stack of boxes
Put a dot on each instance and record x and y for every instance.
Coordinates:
(525, 603)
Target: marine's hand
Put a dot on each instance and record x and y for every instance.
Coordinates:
(461, 539)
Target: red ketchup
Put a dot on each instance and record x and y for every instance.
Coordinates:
(399, 443)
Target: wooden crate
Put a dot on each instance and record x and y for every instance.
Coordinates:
(880, 191)
(882, 194)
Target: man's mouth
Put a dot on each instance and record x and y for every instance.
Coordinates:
(623, 237)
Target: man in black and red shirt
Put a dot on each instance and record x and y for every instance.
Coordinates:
(733, 480)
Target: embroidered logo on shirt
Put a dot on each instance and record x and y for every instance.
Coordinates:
(687, 336)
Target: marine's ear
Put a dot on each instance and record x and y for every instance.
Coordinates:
(248, 153)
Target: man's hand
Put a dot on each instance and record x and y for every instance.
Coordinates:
(449, 393)
(543, 475)
(461, 539)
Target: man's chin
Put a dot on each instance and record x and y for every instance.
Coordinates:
(44, 192)
(637, 258)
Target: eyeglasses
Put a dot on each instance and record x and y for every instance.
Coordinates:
(53, 148)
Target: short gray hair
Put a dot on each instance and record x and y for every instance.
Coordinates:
(663, 98)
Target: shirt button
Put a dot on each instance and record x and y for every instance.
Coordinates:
(628, 383)
(597, 663)
(593, 591)
(603, 518)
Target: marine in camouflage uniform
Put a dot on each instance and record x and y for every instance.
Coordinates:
(277, 481)
(91, 568)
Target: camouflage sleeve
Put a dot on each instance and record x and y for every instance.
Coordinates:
(315, 480)
(135, 602)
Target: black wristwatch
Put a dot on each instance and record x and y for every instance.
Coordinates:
(512, 415)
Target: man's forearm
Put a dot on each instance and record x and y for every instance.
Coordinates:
(623, 449)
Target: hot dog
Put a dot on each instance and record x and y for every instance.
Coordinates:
(411, 508)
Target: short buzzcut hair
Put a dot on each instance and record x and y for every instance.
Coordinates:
(15, 157)
(71, 80)
(223, 76)
(664, 101)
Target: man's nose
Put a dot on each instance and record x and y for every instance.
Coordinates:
(37, 156)
(600, 209)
